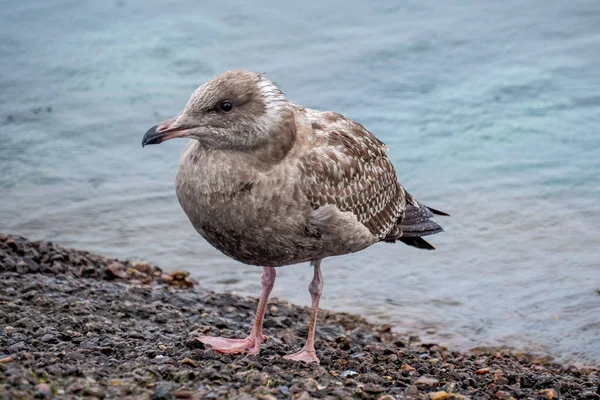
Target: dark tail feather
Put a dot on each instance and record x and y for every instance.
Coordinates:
(438, 212)
(424, 228)
(417, 242)
(416, 223)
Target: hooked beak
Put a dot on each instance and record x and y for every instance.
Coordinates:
(164, 131)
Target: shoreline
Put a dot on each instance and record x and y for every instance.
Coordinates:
(77, 324)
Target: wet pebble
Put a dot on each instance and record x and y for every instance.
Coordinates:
(49, 338)
(42, 390)
(348, 374)
(22, 267)
(162, 392)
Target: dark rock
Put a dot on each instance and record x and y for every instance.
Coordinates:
(221, 323)
(49, 338)
(75, 355)
(162, 392)
(19, 346)
(284, 390)
(31, 265)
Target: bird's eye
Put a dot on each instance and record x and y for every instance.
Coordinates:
(226, 106)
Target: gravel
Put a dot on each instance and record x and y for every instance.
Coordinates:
(76, 324)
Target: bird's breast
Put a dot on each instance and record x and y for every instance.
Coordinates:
(247, 214)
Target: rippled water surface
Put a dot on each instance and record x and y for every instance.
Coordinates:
(491, 110)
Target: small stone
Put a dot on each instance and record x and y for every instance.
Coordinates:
(22, 267)
(407, 368)
(304, 396)
(343, 342)
(184, 394)
(49, 338)
(284, 390)
(75, 388)
(209, 354)
(450, 387)
(502, 395)
(43, 390)
(482, 371)
(221, 323)
(116, 270)
(348, 374)
(188, 361)
(18, 346)
(31, 265)
(274, 309)
(75, 355)
(500, 379)
(439, 396)
(141, 266)
(549, 393)
(6, 360)
(588, 369)
(161, 392)
(372, 388)
(160, 359)
(287, 337)
(9, 329)
(387, 397)
(29, 295)
(311, 385)
(95, 391)
(427, 381)
(179, 275)
(414, 339)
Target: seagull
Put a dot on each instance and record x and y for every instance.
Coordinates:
(270, 183)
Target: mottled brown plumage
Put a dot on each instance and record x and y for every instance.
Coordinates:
(271, 183)
(350, 169)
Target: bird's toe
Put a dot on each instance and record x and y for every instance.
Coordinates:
(307, 356)
(231, 346)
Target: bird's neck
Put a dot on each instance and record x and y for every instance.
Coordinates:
(248, 161)
(281, 140)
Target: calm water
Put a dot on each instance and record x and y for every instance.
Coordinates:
(491, 110)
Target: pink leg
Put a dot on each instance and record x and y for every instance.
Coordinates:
(308, 353)
(252, 343)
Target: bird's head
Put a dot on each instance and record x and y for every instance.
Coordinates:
(237, 110)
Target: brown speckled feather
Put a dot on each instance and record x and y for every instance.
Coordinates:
(349, 168)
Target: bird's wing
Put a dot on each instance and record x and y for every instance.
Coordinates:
(349, 168)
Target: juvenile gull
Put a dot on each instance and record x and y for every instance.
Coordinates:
(271, 183)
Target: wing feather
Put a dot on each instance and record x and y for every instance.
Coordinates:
(349, 168)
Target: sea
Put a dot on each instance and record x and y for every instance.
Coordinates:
(491, 111)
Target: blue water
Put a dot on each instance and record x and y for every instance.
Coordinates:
(491, 110)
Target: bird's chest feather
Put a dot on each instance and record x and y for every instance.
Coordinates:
(214, 190)
(238, 210)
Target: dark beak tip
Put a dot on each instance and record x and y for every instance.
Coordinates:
(151, 137)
